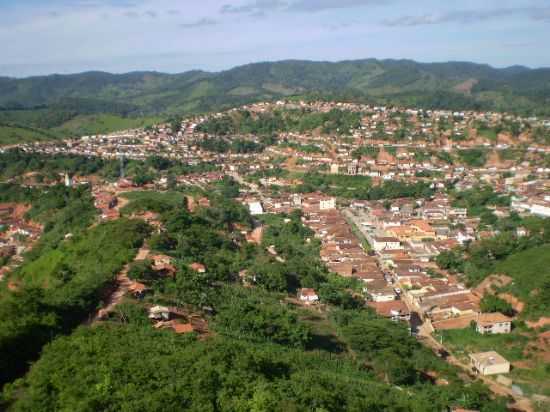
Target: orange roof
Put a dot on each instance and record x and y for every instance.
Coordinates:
(182, 327)
(198, 267)
(486, 319)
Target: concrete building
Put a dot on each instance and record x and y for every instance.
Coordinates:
(489, 363)
(493, 323)
(387, 243)
(327, 204)
(255, 208)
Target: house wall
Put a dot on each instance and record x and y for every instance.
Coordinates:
(495, 328)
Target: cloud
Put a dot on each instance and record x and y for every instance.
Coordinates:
(256, 8)
(199, 23)
(340, 26)
(320, 5)
(261, 7)
(151, 13)
(541, 15)
(466, 17)
(132, 14)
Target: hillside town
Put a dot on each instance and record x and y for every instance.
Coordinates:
(387, 243)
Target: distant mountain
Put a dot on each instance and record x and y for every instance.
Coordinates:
(453, 85)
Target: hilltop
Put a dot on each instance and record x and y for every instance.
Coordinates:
(76, 104)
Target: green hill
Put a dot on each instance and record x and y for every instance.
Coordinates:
(50, 101)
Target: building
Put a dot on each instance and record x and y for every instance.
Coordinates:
(308, 295)
(493, 323)
(395, 310)
(385, 243)
(540, 208)
(327, 204)
(256, 208)
(489, 363)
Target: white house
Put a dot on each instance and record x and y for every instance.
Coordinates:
(540, 209)
(493, 323)
(385, 243)
(255, 208)
(489, 363)
(308, 295)
(327, 204)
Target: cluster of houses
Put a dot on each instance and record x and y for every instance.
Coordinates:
(17, 234)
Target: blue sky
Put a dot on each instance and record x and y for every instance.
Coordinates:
(68, 36)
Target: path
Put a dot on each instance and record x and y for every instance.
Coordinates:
(123, 283)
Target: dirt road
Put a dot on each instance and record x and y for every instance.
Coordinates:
(122, 285)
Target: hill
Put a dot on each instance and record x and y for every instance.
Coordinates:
(50, 101)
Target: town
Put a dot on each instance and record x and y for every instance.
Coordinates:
(386, 198)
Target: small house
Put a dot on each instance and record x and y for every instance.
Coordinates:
(493, 323)
(159, 313)
(489, 363)
(308, 295)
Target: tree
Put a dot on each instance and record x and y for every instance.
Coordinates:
(492, 303)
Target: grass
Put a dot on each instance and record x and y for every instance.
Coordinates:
(530, 270)
(103, 123)
(168, 197)
(323, 332)
(465, 341)
(151, 200)
(14, 135)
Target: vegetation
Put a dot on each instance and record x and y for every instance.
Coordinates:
(244, 122)
(473, 157)
(263, 355)
(492, 304)
(59, 288)
(360, 187)
(524, 259)
(16, 163)
(477, 200)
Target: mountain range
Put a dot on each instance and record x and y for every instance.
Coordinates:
(65, 103)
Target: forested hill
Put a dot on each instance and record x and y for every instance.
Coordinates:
(56, 99)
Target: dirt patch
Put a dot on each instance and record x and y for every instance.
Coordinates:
(466, 86)
(491, 284)
(517, 304)
(539, 323)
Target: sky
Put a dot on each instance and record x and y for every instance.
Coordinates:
(69, 36)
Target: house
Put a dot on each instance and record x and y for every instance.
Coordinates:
(395, 310)
(493, 323)
(137, 289)
(489, 363)
(385, 293)
(327, 204)
(308, 295)
(198, 267)
(255, 208)
(385, 243)
(159, 313)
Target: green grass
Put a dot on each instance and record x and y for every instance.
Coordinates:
(170, 197)
(103, 123)
(14, 135)
(40, 273)
(530, 270)
(462, 342)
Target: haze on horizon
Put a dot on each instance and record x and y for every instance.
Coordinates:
(69, 36)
